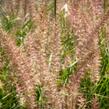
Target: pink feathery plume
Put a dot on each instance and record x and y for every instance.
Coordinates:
(86, 30)
(22, 67)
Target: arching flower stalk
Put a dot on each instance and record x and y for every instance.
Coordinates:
(22, 68)
(35, 46)
(87, 49)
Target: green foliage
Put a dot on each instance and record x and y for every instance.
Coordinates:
(40, 98)
(102, 88)
(67, 38)
(68, 50)
(51, 8)
(8, 22)
(8, 99)
(102, 92)
(104, 52)
(86, 87)
(106, 5)
(65, 74)
(22, 32)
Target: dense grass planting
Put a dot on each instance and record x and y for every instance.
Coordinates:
(54, 54)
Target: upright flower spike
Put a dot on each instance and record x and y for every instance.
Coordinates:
(75, 79)
(33, 47)
(97, 12)
(32, 9)
(83, 24)
(55, 48)
(22, 68)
